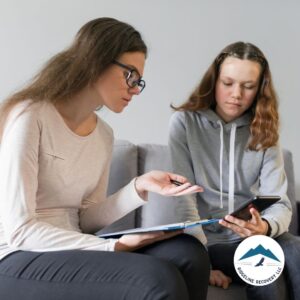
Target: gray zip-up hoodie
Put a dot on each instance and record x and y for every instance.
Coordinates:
(212, 154)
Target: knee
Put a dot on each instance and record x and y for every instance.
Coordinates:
(163, 281)
(194, 254)
(288, 242)
(290, 245)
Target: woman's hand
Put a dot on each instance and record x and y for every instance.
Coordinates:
(256, 225)
(218, 278)
(131, 242)
(160, 182)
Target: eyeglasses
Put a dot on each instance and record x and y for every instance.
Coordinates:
(133, 78)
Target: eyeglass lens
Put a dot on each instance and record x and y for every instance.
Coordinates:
(133, 80)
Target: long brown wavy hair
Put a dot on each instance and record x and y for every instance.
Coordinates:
(265, 119)
(97, 44)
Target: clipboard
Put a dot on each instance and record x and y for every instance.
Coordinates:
(167, 227)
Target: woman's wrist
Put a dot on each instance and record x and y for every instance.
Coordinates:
(118, 246)
(121, 247)
(267, 231)
(138, 184)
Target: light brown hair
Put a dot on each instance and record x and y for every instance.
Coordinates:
(265, 119)
(97, 44)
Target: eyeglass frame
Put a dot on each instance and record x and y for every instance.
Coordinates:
(132, 69)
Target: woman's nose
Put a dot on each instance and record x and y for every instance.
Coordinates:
(134, 90)
(237, 92)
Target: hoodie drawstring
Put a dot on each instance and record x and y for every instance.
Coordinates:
(231, 169)
(221, 163)
(231, 166)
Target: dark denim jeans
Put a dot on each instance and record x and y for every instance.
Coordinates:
(287, 286)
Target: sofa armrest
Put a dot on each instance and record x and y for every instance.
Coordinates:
(298, 208)
(289, 170)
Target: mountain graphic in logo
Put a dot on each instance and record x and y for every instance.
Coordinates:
(259, 250)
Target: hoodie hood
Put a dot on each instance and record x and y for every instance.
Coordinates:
(214, 119)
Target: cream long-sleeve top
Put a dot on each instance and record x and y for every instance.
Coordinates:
(53, 184)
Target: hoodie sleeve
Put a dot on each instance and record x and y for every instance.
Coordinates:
(182, 164)
(273, 181)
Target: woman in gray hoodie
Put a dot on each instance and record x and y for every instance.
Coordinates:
(225, 139)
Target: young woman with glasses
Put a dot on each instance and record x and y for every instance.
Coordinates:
(225, 138)
(55, 159)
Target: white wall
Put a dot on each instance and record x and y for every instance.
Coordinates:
(183, 38)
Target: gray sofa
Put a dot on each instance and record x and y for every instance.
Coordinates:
(130, 160)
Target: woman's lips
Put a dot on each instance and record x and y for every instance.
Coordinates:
(126, 101)
(234, 104)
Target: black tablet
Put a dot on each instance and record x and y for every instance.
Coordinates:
(260, 203)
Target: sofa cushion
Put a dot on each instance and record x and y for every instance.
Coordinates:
(123, 166)
(123, 169)
(160, 209)
(235, 291)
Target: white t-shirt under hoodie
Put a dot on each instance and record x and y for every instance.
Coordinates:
(53, 183)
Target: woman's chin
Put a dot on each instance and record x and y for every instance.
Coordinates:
(116, 110)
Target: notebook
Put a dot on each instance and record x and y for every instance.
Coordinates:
(167, 227)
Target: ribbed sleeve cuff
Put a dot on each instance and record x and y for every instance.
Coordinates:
(273, 227)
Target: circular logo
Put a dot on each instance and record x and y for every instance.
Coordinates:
(259, 260)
